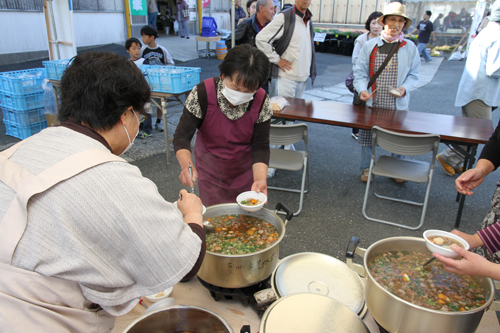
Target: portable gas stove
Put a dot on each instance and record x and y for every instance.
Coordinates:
(258, 296)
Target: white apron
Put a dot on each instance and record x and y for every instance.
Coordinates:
(29, 301)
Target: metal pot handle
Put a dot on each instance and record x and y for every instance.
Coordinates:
(288, 211)
(352, 248)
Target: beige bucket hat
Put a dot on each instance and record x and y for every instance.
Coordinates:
(397, 9)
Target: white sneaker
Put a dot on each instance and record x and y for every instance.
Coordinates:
(271, 172)
(289, 147)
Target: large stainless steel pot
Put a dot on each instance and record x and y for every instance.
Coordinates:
(243, 270)
(180, 318)
(396, 315)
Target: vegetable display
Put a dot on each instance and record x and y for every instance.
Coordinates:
(240, 234)
(433, 287)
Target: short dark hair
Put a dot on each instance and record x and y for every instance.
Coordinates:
(428, 12)
(373, 16)
(246, 66)
(130, 42)
(249, 3)
(149, 31)
(98, 87)
(286, 6)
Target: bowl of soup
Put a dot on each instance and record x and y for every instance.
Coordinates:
(438, 241)
(160, 295)
(251, 201)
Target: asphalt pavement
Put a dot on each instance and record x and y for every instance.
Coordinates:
(332, 209)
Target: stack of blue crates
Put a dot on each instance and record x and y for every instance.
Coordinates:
(21, 97)
(208, 27)
(171, 79)
(56, 68)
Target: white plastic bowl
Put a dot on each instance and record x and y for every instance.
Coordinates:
(438, 249)
(251, 195)
(154, 298)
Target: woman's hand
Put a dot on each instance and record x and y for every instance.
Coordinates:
(401, 90)
(365, 96)
(469, 180)
(186, 179)
(470, 264)
(473, 240)
(191, 207)
(260, 186)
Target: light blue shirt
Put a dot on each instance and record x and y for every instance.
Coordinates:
(481, 76)
(408, 68)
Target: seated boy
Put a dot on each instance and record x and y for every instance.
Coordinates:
(133, 47)
(156, 55)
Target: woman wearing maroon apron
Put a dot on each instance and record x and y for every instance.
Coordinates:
(232, 116)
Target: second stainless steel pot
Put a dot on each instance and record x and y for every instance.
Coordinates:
(397, 315)
(243, 270)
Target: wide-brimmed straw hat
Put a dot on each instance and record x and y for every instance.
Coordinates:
(397, 9)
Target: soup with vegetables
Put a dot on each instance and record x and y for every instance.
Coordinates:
(240, 234)
(250, 202)
(444, 242)
(432, 287)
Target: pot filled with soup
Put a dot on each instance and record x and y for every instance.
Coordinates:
(404, 296)
(243, 250)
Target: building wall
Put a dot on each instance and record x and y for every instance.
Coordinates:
(20, 41)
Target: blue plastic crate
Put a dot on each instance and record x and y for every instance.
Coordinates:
(23, 117)
(208, 27)
(23, 132)
(56, 68)
(22, 82)
(171, 79)
(22, 102)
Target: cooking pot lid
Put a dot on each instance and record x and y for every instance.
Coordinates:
(319, 273)
(310, 313)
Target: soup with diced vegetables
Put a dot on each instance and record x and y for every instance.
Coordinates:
(250, 202)
(240, 234)
(433, 287)
(444, 242)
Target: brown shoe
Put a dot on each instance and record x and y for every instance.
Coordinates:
(459, 170)
(364, 175)
(400, 180)
(447, 168)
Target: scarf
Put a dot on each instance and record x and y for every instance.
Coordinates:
(389, 39)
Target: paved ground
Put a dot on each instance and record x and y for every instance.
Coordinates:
(332, 209)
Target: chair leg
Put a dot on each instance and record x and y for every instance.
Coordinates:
(302, 191)
(424, 208)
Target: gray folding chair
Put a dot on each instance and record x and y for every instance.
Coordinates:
(291, 160)
(401, 168)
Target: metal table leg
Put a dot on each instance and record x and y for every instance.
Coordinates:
(469, 160)
(165, 126)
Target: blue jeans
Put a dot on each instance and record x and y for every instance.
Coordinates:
(152, 19)
(147, 125)
(423, 51)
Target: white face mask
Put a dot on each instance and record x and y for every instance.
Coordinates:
(131, 142)
(236, 97)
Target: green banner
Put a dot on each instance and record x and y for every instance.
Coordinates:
(138, 7)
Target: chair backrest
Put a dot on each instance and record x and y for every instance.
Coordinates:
(288, 134)
(405, 144)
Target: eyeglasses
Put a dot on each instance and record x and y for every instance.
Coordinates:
(141, 116)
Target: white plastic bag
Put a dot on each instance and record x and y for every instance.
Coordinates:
(176, 26)
(48, 99)
(458, 55)
(278, 103)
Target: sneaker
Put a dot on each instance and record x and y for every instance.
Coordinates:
(447, 168)
(459, 170)
(397, 180)
(182, 36)
(429, 61)
(139, 134)
(159, 127)
(355, 136)
(144, 135)
(187, 37)
(271, 172)
(364, 175)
